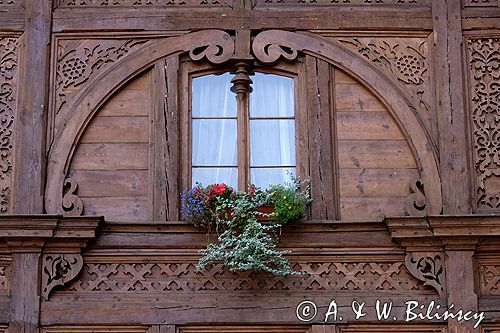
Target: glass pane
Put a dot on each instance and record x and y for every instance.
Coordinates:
(212, 96)
(207, 176)
(263, 177)
(272, 142)
(272, 96)
(214, 142)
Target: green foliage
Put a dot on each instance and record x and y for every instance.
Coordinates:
(245, 243)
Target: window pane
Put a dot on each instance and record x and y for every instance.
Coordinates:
(263, 177)
(212, 96)
(272, 142)
(214, 142)
(272, 96)
(207, 176)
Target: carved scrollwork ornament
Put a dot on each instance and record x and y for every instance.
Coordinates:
(59, 269)
(72, 205)
(216, 51)
(416, 202)
(268, 50)
(426, 268)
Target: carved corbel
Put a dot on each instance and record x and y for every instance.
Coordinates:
(59, 269)
(72, 205)
(428, 268)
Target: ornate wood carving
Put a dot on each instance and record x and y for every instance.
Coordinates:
(72, 205)
(484, 55)
(404, 58)
(416, 202)
(59, 269)
(428, 269)
(8, 96)
(183, 277)
(481, 3)
(4, 280)
(489, 279)
(341, 3)
(142, 3)
(78, 61)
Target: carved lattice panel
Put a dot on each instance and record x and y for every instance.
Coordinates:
(484, 65)
(489, 279)
(183, 277)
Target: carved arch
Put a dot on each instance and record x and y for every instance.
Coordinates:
(215, 45)
(269, 46)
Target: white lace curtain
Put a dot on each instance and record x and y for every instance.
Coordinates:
(214, 130)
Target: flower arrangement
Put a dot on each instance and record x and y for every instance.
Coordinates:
(244, 242)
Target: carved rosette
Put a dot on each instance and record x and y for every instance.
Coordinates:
(427, 268)
(8, 96)
(59, 269)
(484, 63)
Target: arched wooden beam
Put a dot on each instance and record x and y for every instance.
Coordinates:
(269, 46)
(217, 46)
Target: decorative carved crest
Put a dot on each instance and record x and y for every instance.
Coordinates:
(59, 269)
(72, 205)
(489, 279)
(484, 55)
(415, 202)
(8, 93)
(428, 269)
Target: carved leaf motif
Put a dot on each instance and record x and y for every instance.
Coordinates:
(139, 3)
(72, 205)
(484, 61)
(489, 277)
(416, 202)
(427, 269)
(3, 279)
(59, 269)
(8, 92)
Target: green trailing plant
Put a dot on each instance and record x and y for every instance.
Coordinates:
(245, 242)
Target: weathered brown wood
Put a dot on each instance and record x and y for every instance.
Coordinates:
(117, 208)
(449, 99)
(375, 154)
(111, 156)
(111, 183)
(29, 163)
(117, 130)
(367, 125)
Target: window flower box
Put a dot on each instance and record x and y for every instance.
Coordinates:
(246, 223)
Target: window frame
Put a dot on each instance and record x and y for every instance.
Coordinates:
(189, 70)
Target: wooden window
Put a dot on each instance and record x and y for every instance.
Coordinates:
(241, 131)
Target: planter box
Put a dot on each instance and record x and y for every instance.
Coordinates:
(266, 209)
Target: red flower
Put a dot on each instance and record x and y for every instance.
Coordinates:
(220, 188)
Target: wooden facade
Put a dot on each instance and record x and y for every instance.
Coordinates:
(397, 127)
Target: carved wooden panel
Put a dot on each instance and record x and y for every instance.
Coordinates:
(94, 329)
(404, 4)
(77, 61)
(188, 4)
(244, 329)
(404, 328)
(140, 278)
(4, 279)
(489, 279)
(109, 170)
(376, 164)
(8, 100)
(481, 3)
(484, 65)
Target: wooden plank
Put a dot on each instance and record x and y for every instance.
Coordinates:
(376, 182)
(29, 157)
(375, 154)
(363, 209)
(355, 97)
(321, 141)
(368, 126)
(111, 156)
(117, 130)
(117, 208)
(111, 183)
(448, 55)
(127, 102)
